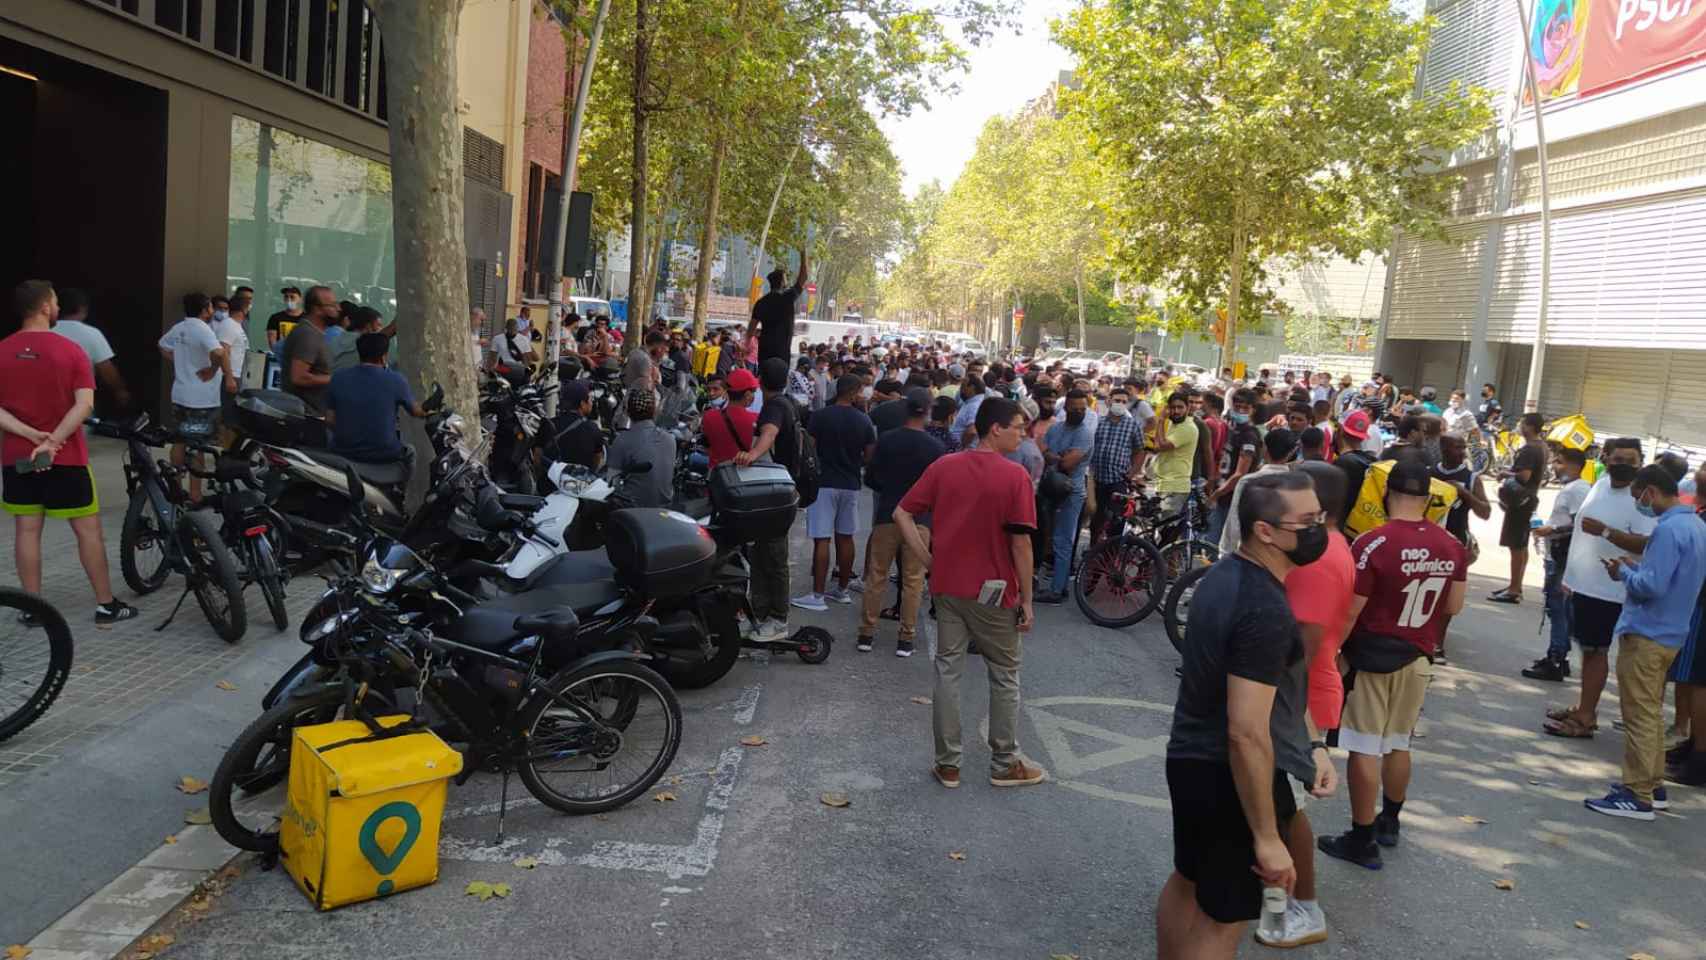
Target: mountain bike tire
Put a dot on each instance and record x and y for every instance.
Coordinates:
(37, 687)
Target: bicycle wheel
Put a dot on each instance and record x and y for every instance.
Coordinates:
(142, 546)
(213, 573)
(599, 736)
(1479, 458)
(1182, 556)
(263, 566)
(1120, 582)
(247, 794)
(35, 659)
(1175, 613)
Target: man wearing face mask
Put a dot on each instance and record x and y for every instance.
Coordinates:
(1117, 455)
(1519, 495)
(279, 324)
(1410, 575)
(1067, 449)
(1459, 419)
(1608, 525)
(1241, 454)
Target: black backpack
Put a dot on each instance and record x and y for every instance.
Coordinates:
(805, 470)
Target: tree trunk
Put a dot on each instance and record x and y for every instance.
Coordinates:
(426, 192)
(708, 235)
(637, 200)
(1229, 351)
(1081, 335)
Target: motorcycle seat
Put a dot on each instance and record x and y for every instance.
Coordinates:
(575, 567)
(393, 474)
(496, 623)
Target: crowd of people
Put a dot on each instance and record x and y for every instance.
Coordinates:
(1341, 513)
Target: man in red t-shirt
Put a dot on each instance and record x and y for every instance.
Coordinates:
(729, 428)
(982, 512)
(1411, 575)
(47, 390)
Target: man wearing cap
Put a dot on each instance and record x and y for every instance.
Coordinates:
(279, 324)
(1410, 578)
(773, 314)
(644, 443)
(729, 429)
(1350, 456)
(579, 440)
(901, 457)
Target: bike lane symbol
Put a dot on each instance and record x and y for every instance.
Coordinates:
(1067, 765)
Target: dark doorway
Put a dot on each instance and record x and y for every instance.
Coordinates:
(83, 183)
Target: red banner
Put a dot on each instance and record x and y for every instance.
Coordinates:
(1628, 39)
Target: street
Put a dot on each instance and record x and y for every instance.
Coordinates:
(747, 860)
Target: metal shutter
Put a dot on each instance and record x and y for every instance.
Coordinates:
(1442, 365)
(1561, 383)
(1475, 43)
(482, 158)
(1437, 286)
(1683, 419)
(1623, 392)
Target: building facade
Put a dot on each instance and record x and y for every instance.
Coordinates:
(167, 146)
(1623, 88)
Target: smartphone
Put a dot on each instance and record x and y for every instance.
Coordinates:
(991, 593)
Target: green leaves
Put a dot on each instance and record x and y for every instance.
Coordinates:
(485, 891)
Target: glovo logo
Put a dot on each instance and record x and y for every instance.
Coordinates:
(382, 861)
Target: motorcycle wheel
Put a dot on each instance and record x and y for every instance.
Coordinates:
(693, 671)
(814, 644)
(611, 748)
(264, 566)
(218, 591)
(1120, 582)
(142, 547)
(247, 794)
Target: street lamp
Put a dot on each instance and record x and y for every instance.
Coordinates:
(1537, 358)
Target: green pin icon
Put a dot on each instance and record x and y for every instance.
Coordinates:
(384, 862)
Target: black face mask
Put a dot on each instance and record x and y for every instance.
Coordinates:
(1311, 544)
(1074, 418)
(1176, 417)
(1622, 474)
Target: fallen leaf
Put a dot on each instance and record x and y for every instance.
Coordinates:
(835, 800)
(226, 685)
(189, 784)
(18, 951)
(486, 891)
(922, 700)
(675, 781)
(1582, 925)
(157, 942)
(1642, 956)
(664, 797)
(1504, 883)
(1469, 819)
(753, 741)
(171, 838)
(957, 855)
(527, 863)
(1534, 782)
(1063, 956)
(198, 816)
(200, 904)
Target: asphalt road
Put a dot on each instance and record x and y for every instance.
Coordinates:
(747, 862)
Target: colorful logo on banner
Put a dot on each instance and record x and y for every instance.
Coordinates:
(1589, 46)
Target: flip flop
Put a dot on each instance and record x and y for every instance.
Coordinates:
(1570, 729)
(1503, 597)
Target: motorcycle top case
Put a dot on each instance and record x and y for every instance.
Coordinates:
(664, 554)
(752, 503)
(362, 816)
(273, 416)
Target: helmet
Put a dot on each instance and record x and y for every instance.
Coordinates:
(1054, 486)
(1429, 393)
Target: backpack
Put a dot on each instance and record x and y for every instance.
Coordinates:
(805, 471)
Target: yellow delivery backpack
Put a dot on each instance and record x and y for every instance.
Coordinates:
(362, 816)
(1370, 508)
(705, 356)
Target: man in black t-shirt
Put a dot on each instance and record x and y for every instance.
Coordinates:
(1241, 455)
(1519, 495)
(773, 316)
(1238, 729)
(579, 440)
(291, 314)
(901, 457)
(777, 440)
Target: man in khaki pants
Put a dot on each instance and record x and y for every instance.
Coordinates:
(901, 457)
(982, 513)
(1662, 586)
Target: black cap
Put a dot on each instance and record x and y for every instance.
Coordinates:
(575, 393)
(917, 402)
(1409, 475)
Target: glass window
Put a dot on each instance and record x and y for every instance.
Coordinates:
(302, 213)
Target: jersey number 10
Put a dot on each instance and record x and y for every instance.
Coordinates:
(1421, 599)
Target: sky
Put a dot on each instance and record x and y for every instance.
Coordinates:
(1005, 73)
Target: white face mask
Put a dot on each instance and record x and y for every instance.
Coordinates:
(867, 392)
(221, 314)
(1118, 409)
(291, 303)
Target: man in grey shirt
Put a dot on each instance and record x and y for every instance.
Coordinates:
(644, 443)
(307, 359)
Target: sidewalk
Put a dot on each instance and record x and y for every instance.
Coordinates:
(85, 790)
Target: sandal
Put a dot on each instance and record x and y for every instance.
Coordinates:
(1569, 728)
(1504, 596)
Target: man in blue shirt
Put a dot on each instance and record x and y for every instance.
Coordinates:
(362, 404)
(971, 397)
(1662, 586)
(1068, 444)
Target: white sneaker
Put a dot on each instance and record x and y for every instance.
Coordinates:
(1303, 926)
(810, 601)
(838, 594)
(856, 585)
(770, 630)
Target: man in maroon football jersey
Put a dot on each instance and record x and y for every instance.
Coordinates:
(1410, 579)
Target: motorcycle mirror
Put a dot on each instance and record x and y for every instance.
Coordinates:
(435, 399)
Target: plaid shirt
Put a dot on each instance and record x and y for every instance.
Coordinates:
(1116, 438)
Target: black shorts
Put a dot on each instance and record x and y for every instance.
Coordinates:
(1594, 620)
(1212, 844)
(1517, 529)
(62, 492)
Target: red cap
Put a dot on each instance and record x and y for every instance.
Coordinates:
(1355, 424)
(742, 380)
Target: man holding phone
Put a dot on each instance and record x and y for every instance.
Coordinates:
(47, 390)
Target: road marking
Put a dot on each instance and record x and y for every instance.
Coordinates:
(1068, 764)
(747, 705)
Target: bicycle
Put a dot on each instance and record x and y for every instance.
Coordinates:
(31, 676)
(1176, 610)
(189, 541)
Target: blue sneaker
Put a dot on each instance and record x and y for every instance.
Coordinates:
(1661, 800)
(1621, 802)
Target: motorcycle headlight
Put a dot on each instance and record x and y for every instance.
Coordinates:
(386, 564)
(377, 578)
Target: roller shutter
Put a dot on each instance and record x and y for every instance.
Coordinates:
(1683, 420)
(1437, 286)
(1561, 385)
(1624, 390)
(1474, 44)
(1442, 366)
